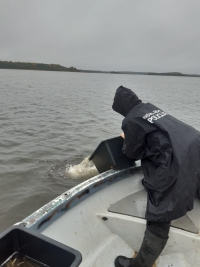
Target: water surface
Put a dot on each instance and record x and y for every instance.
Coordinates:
(50, 120)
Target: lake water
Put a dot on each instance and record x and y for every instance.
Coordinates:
(51, 120)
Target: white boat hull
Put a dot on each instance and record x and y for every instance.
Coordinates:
(104, 217)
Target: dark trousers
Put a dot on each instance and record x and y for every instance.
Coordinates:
(160, 230)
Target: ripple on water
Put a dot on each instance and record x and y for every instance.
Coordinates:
(52, 121)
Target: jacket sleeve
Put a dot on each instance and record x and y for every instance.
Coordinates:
(134, 142)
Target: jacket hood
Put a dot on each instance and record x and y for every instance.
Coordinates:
(124, 100)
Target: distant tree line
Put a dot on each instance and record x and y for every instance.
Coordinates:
(167, 73)
(173, 74)
(34, 66)
(57, 67)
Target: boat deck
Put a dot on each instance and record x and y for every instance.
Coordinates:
(110, 222)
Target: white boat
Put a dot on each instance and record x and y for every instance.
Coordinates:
(103, 217)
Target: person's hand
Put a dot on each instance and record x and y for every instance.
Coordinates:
(122, 135)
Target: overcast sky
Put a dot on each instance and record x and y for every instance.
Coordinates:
(124, 35)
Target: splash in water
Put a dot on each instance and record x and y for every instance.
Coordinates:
(84, 170)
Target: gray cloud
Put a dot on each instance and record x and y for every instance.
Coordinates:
(132, 35)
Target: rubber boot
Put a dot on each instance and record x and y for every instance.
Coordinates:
(150, 249)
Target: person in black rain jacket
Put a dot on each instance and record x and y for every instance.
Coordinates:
(170, 160)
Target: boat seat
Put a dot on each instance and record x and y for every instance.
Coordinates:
(135, 205)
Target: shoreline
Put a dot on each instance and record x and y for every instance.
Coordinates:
(56, 67)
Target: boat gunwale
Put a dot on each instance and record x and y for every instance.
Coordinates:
(44, 216)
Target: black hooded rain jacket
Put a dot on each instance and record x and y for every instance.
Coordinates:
(170, 155)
